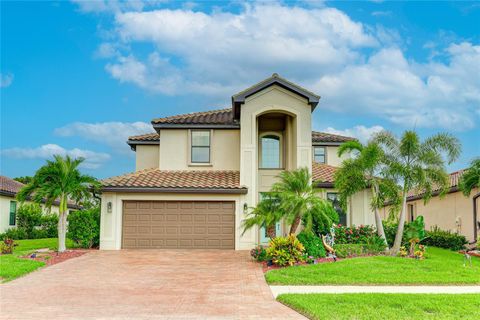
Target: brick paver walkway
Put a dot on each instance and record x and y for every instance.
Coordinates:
(145, 284)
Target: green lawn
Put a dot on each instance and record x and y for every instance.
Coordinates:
(11, 266)
(442, 267)
(384, 306)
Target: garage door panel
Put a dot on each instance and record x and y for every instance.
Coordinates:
(177, 224)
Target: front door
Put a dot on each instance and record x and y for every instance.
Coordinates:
(264, 239)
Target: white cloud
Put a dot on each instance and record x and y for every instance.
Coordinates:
(114, 6)
(219, 53)
(6, 80)
(93, 160)
(381, 13)
(443, 95)
(113, 134)
(360, 132)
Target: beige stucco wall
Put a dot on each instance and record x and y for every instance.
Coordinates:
(5, 212)
(175, 150)
(359, 210)
(147, 157)
(111, 223)
(454, 212)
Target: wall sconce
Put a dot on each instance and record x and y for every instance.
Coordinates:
(245, 207)
(109, 207)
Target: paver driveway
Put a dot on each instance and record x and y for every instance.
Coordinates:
(145, 284)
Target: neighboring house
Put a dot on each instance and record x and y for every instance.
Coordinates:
(454, 212)
(9, 205)
(199, 173)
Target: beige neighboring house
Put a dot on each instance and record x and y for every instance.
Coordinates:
(198, 174)
(9, 205)
(454, 212)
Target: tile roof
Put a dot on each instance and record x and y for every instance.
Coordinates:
(454, 179)
(217, 117)
(171, 180)
(10, 186)
(323, 174)
(329, 137)
(145, 137)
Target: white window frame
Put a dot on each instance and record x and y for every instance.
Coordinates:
(190, 146)
(281, 155)
(324, 154)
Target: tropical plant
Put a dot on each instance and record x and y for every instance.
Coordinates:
(312, 243)
(59, 180)
(298, 199)
(323, 221)
(415, 232)
(285, 251)
(267, 213)
(470, 178)
(259, 253)
(416, 165)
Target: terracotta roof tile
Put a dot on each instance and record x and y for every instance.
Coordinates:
(454, 178)
(329, 137)
(323, 173)
(145, 137)
(172, 179)
(222, 116)
(10, 186)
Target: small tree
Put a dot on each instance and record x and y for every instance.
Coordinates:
(267, 213)
(59, 180)
(298, 199)
(470, 178)
(417, 165)
(362, 172)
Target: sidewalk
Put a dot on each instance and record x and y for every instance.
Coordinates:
(277, 290)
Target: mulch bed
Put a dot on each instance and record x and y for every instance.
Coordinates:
(266, 267)
(53, 257)
(475, 253)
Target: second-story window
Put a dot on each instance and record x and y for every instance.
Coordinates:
(270, 156)
(319, 154)
(200, 146)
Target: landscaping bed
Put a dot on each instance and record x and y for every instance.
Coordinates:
(384, 306)
(51, 257)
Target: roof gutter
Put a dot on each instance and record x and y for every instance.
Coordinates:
(176, 190)
(194, 126)
(55, 203)
(328, 185)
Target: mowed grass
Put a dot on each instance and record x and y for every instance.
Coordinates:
(12, 266)
(442, 267)
(384, 306)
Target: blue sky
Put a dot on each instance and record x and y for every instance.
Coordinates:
(79, 77)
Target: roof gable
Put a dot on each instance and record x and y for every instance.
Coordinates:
(239, 98)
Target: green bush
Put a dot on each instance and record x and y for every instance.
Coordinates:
(49, 225)
(312, 243)
(29, 216)
(349, 250)
(322, 225)
(444, 239)
(285, 251)
(14, 233)
(84, 227)
(259, 253)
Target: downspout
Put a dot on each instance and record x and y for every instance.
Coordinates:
(475, 215)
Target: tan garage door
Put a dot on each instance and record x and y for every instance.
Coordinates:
(178, 224)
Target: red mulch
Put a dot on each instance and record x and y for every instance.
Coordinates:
(51, 258)
(472, 253)
(266, 268)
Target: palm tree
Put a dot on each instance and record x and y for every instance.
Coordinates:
(298, 199)
(59, 180)
(417, 165)
(361, 172)
(267, 213)
(470, 178)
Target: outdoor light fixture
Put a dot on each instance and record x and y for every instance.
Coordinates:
(109, 207)
(245, 207)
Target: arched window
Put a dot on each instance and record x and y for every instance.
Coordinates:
(270, 154)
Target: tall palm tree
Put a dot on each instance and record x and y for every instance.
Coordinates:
(470, 178)
(267, 213)
(298, 199)
(417, 165)
(361, 172)
(59, 180)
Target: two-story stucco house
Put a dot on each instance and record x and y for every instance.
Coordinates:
(199, 173)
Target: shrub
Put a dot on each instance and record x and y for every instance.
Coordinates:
(14, 233)
(84, 227)
(259, 253)
(354, 235)
(312, 243)
(49, 225)
(7, 245)
(29, 216)
(285, 251)
(320, 224)
(349, 250)
(444, 239)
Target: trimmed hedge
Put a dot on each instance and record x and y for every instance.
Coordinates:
(444, 239)
(84, 227)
